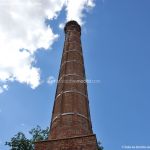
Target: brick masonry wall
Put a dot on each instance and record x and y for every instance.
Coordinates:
(71, 114)
(76, 143)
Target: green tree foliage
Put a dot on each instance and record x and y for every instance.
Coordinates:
(39, 134)
(20, 142)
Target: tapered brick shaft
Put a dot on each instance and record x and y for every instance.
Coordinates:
(71, 127)
(71, 115)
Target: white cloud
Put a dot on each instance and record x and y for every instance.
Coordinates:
(3, 88)
(23, 31)
(61, 25)
(75, 9)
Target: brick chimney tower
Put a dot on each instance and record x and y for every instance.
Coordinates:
(71, 127)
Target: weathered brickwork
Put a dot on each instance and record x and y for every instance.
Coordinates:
(76, 143)
(71, 127)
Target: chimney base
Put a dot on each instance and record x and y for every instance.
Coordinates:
(88, 142)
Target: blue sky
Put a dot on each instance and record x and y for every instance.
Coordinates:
(116, 47)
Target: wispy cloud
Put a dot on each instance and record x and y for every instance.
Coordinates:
(51, 80)
(61, 25)
(3, 88)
